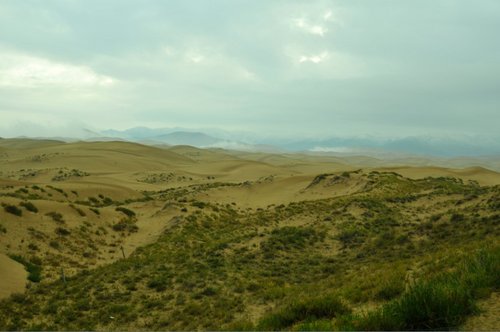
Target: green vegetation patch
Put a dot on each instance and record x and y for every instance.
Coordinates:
(29, 206)
(129, 213)
(289, 238)
(12, 209)
(56, 216)
(34, 270)
(126, 224)
(304, 310)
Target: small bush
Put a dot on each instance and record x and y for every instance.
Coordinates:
(3, 229)
(62, 231)
(457, 217)
(125, 225)
(351, 235)
(127, 212)
(288, 237)
(317, 325)
(390, 290)
(29, 206)
(78, 210)
(198, 204)
(328, 306)
(12, 209)
(56, 216)
(54, 244)
(34, 270)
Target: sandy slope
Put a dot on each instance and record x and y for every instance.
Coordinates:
(76, 173)
(481, 175)
(12, 276)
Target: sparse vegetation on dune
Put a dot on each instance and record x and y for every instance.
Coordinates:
(307, 265)
(12, 209)
(233, 244)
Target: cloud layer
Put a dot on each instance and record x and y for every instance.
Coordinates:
(305, 68)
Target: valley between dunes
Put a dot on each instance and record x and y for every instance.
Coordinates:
(87, 209)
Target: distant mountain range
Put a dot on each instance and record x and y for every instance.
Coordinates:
(444, 147)
(418, 145)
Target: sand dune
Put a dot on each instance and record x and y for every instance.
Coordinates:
(13, 277)
(481, 175)
(86, 181)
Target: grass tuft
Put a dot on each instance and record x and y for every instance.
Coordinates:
(308, 310)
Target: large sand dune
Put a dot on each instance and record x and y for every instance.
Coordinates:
(84, 181)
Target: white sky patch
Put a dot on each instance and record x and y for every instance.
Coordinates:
(168, 51)
(323, 64)
(328, 15)
(195, 58)
(28, 71)
(318, 58)
(212, 62)
(314, 29)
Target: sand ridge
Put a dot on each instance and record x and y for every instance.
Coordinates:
(12, 276)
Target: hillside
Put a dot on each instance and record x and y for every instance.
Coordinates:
(184, 238)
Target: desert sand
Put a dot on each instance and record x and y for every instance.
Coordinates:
(13, 277)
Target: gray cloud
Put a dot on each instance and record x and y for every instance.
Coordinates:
(386, 68)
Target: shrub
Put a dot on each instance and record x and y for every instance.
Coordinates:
(56, 216)
(127, 212)
(12, 209)
(54, 244)
(34, 270)
(125, 225)
(29, 206)
(3, 229)
(457, 217)
(389, 290)
(289, 237)
(317, 325)
(62, 231)
(351, 235)
(198, 204)
(328, 306)
(78, 210)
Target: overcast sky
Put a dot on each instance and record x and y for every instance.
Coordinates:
(326, 68)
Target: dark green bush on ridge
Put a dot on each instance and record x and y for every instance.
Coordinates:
(29, 206)
(56, 216)
(12, 209)
(127, 212)
(34, 270)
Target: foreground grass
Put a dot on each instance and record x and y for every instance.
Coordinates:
(440, 303)
(328, 306)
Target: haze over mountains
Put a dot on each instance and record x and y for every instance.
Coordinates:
(374, 146)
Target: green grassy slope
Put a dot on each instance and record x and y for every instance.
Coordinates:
(306, 265)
